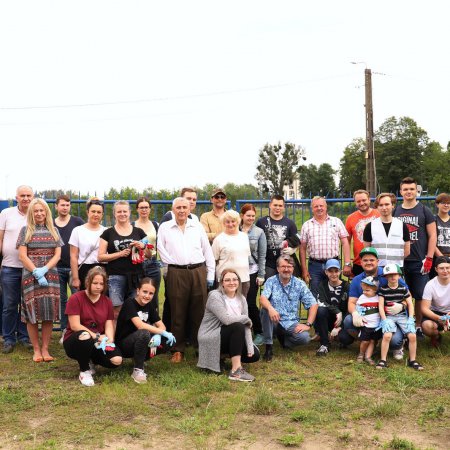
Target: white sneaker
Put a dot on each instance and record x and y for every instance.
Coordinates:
(61, 340)
(139, 376)
(86, 378)
(398, 354)
(92, 368)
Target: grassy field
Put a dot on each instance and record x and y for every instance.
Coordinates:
(298, 400)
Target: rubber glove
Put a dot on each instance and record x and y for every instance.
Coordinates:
(361, 310)
(357, 319)
(427, 264)
(338, 320)
(387, 326)
(155, 341)
(170, 337)
(393, 308)
(410, 325)
(39, 272)
(289, 251)
(42, 281)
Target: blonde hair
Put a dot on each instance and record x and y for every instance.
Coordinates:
(31, 224)
(230, 215)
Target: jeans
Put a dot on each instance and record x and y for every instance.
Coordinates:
(63, 273)
(152, 270)
(325, 320)
(13, 328)
(351, 333)
(291, 338)
(415, 280)
(118, 289)
(317, 273)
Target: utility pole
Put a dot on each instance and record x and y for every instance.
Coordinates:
(370, 151)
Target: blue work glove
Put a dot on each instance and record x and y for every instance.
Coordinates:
(170, 337)
(102, 344)
(209, 284)
(144, 241)
(387, 326)
(39, 272)
(155, 341)
(361, 310)
(410, 325)
(444, 318)
(42, 281)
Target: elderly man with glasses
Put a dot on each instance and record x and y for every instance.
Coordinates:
(280, 302)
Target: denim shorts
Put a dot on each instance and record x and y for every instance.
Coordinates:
(400, 322)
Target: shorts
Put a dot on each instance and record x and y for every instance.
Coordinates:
(370, 334)
(400, 322)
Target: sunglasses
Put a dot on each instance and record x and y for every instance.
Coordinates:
(220, 196)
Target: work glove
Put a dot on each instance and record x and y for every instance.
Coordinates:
(392, 308)
(338, 320)
(335, 332)
(427, 264)
(387, 326)
(410, 325)
(170, 337)
(105, 346)
(259, 281)
(288, 251)
(361, 310)
(357, 319)
(42, 281)
(164, 270)
(155, 341)
(39, 272)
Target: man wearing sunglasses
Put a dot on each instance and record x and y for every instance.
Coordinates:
(211, 219)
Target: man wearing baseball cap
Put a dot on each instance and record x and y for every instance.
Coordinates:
(211, 219)
(436, 302)
(369, 263)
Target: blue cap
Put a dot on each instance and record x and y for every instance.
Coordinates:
(369, 281)
(332, 263)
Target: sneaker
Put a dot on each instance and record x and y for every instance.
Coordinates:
(139, 376)
(259, 339)
(61, 340)
(92, 368)
(86, 378)
(240, 375)
(322, 350)
(419, 333)
(398, 354)
(7, 348)
(26, 344)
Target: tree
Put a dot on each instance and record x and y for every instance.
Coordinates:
(352, 167)
(317, 180)
(434, 175)
(277, 167)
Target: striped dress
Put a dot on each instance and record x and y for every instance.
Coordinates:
(40, 302)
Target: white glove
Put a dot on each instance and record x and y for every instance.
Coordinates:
(358, 320)
(288, 251)
(335, 332)
(395, 308)
(259, 281)
(164, 271)
(338, 320)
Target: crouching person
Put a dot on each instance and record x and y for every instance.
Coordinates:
(280, 303)
(140, 333)
(89, 338)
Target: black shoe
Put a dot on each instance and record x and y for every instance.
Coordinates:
(7, 348)
(26, 344)
(268, 355)
(419, 333)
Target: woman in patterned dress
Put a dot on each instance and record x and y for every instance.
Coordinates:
(39, 246)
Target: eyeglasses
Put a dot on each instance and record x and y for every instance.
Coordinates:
(230, 280)
(220, 196)
(285, 267)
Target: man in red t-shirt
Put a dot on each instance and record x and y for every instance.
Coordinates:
(355, 224)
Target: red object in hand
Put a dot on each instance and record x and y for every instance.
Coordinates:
(427, 264)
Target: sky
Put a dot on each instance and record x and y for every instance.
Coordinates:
(101, 94)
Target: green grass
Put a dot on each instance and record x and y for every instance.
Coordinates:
(296, 400)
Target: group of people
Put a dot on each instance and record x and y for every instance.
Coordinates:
(213, 268)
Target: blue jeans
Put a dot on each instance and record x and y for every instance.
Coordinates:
(118, 289)
(291, 339)
(317, 273)
(352, 333)
(152, 270)
(13, 328)
(63, 273)
(415, 280)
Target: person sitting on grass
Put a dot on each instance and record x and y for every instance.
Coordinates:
(394, 293)
(89, 338)
(140, 327)
(332, 298)
(368, 319)
(436, 302)
(226, 329)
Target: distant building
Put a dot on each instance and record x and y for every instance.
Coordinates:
(292, 191)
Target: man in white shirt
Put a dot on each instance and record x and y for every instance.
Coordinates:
(11, 222)
(184, 247)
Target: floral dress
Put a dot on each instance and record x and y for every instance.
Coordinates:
(40, 302)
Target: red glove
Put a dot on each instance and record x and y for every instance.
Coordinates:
(427, 264)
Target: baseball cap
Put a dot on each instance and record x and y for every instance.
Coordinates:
(218, 191)
(332, 263)
(392, 268)
(369, 281)
(368, 251)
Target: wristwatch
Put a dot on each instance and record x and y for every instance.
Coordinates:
(348, 264)
(309, 324)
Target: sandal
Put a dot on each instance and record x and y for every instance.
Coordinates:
(360, 358)
(415, 365)
(382, 364)
(369, 361)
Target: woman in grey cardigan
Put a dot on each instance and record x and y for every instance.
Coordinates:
(226, 329)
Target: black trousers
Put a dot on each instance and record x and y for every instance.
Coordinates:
(84, 350)
(232, 342)
(253, 310)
